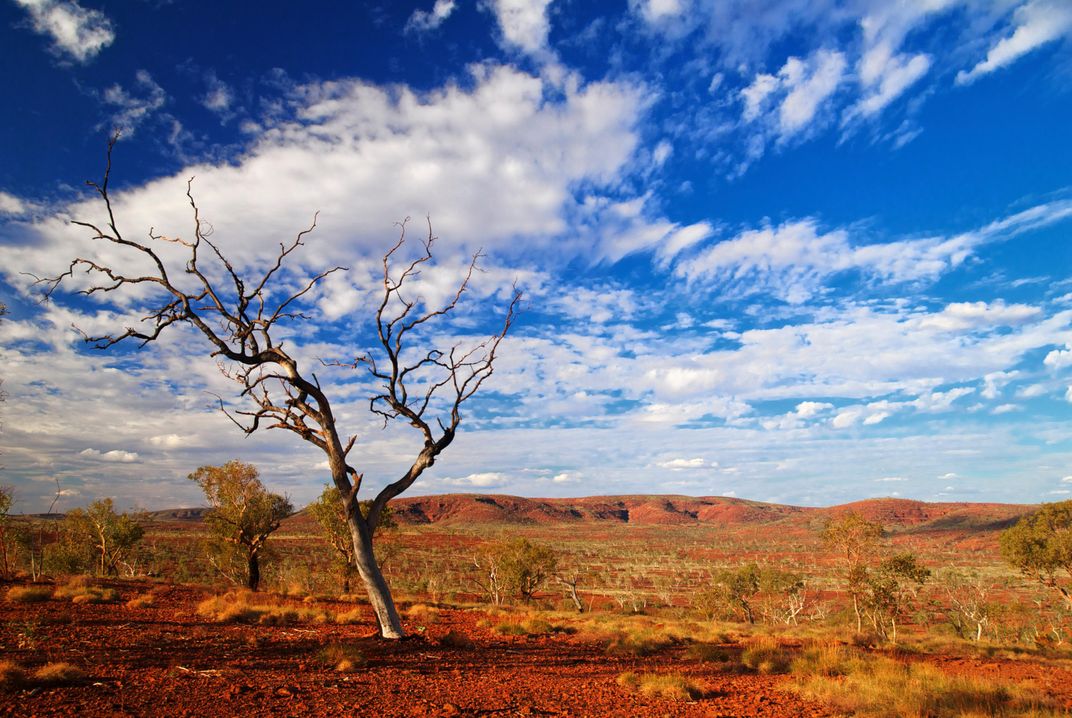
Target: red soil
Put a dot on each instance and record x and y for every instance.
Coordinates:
(165, 660)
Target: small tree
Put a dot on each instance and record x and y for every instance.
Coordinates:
(856, 541)
(731, 593)
(243, 513)
(1040, 545)
(329, 513)
(889, 589)
(110, 535)
(517, 566)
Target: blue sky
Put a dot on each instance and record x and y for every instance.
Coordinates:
(791, 250)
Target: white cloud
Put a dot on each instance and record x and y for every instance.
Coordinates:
(12, 206)
(169, 441)
(426, 20)
(523, 23)
(1059, 358)
(787, 104)
(1037, 23)
(811, 409)
(688, 464)
(885, 77)
(1005, 409)
(136, 105)
(79, 33)
(474, 159)
(995, 381)
(793, 260)
(115, 455)
(971, 315)
(480, 480)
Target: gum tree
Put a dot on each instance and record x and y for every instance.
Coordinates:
(244, 513)
(242, 318)
(1040, 546)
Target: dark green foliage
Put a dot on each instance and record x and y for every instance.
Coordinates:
(1040, 545)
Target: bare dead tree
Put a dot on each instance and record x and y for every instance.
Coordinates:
(238, 318)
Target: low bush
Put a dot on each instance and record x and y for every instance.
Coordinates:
(454, 639)
(29, 594)
(640, 643)
(422, 613)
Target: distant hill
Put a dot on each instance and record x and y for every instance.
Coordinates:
(904, 515)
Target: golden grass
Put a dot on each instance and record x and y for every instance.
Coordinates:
(28, 594)
(80, 590)
(670, 686)
(422, 613)
(57, 674)
(764, 654)
(236, 607)
(355, 615)
(881, 687)
(143, 601)
(345, 659)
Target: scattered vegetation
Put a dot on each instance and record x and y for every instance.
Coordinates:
(236, 607)
(881, 687)
(343, 658)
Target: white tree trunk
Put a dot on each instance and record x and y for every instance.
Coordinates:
(379, 594)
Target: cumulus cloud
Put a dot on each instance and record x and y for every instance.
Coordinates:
(1037, 23)
(481, 480)
(1059, 358)
(475, 159)
(115, 455)
(523, 23)
(12, 206)
(76, 32)
(427, 20)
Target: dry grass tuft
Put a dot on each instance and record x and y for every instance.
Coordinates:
(59, 674)
(11, 675)
(345, 659)
(708, 653)
(765, 655)
(80, 589)
(235, 607)
(28, 594)
(422, 613)
(638, 643)
(670, 686)
(143, 601)
(355, 615)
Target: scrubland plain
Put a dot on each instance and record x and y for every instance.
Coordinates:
(658, 631)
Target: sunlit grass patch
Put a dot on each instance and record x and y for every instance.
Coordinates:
(881, 687)
(58, 674)
(670, 686)
(28, 594)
